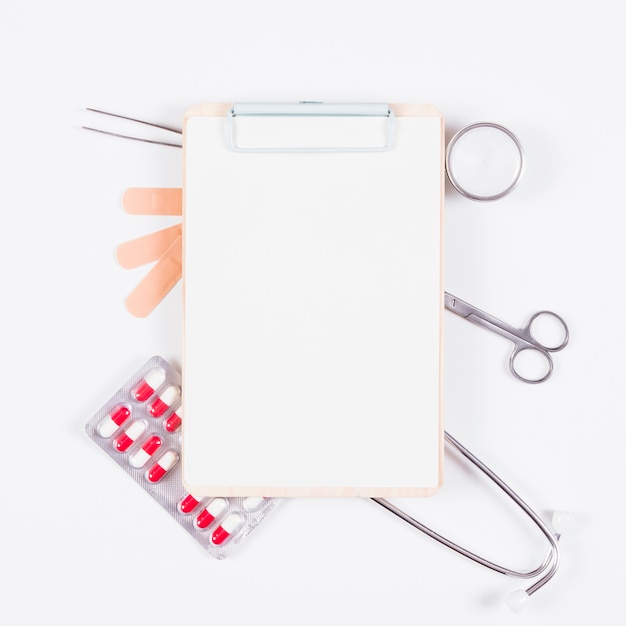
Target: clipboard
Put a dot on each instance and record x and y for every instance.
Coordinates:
(313, 300)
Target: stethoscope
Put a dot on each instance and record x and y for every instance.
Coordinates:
(484, 162)
(548, 567)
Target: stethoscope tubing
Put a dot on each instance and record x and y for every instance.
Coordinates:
(552, 558)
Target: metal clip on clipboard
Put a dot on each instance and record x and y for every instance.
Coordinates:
(311, 110)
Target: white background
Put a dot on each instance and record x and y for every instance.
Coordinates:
(80, 542)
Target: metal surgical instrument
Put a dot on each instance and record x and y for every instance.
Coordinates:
(132, 119)
(523, 338)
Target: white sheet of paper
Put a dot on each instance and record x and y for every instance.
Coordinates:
(312, 287)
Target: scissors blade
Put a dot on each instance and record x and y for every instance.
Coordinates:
(477, 316)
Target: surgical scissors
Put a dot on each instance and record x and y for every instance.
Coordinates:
(522, 338)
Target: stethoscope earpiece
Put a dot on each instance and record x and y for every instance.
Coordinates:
(562, 522)
(517, 599)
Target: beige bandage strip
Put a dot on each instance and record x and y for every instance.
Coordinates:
(148, 248)
(153, 201)
(158, 282)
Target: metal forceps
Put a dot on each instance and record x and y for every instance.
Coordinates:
(523, 338)
(132, 119)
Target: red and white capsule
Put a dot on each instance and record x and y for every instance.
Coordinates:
(210, 512)
(147, 450)
(173, 422)
(113, 420)
(165, 400)
(188, 504)
(127, 438)
(162, 466)
(149, 384)
(230, 525)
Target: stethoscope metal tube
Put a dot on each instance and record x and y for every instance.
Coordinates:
(551, 560)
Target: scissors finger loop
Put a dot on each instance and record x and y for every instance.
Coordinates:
(548, 324)
(515, 364)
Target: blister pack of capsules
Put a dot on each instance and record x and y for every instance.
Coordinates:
(140, 429)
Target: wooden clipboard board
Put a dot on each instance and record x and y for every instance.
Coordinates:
(313, 299)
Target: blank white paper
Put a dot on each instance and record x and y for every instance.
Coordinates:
(312, 288)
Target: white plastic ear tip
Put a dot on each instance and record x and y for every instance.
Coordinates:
(516, 600)
(562, 521)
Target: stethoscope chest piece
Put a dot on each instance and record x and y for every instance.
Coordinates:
(484, 161)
